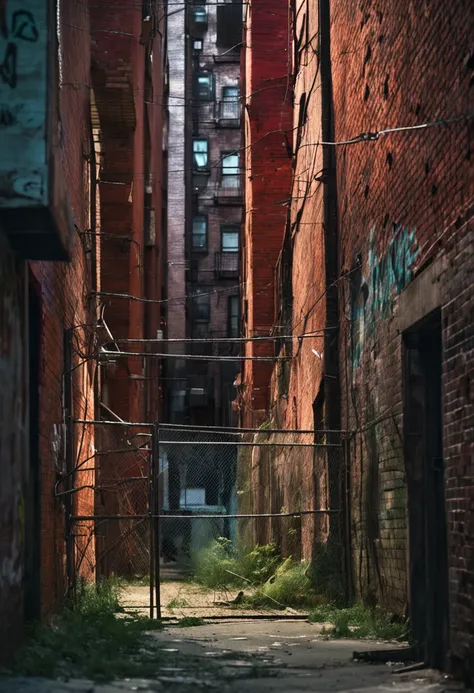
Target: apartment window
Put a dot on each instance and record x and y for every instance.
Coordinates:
(230, 170)
(199, 232)
(230, 238)
(230, 93)
(200, 153)
(204, 86)
(200, 16)
(230, 104)
(233, 316)
(229, 25)
(201, 308)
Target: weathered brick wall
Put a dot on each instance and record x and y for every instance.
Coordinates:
(458, 370)
(65, 303)
(268, 133)
(118, 60)
(62, 296)
(128, 88)
(13, 445)
(403, 201)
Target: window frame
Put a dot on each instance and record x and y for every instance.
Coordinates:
(200, 249)
(211, 91)
(226, 155)
(229, 86)
(207, 318)
(206, 167)
(230, 228)
(231, 316)
(199, 9)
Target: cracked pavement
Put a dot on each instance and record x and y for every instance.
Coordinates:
(253, 657)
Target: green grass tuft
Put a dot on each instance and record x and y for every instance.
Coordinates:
(177, 603)
(219, 565)
(190, 621)
(359, 622)
(92, 638)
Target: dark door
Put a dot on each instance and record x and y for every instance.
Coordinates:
(426, 489)
(33, 489)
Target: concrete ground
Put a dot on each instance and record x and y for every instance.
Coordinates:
(257, 657)
(180, 599)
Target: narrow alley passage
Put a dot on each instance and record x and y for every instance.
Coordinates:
(256, 656)
(236, 345)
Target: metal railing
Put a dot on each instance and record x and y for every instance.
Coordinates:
(229, 190)
(226, 264)
(228, 113)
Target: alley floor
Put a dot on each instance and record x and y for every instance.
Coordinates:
(255, 656)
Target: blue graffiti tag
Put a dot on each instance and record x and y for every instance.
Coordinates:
(388, 275)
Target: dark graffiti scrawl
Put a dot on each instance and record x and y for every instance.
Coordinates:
(23, 28)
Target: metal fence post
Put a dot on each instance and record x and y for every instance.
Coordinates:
(156, 513)
(151, 475)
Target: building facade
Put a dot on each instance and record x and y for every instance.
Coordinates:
(268, 129)
(77, 221)
(205, 199)
(375, 261)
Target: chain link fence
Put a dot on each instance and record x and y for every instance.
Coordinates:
(203, 519)
(233, 499)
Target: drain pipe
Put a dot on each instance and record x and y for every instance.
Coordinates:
(332, 386)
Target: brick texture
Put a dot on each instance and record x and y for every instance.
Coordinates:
(268, 138)
(404, 202)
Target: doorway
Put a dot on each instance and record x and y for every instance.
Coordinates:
(32, 603)
(423, 443)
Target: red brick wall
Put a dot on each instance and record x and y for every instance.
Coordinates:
(400, 201)
(404, 201)
(65, 301)
(13, 446)
(130, 179)
(268, 133)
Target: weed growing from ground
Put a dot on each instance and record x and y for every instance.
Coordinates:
(220, 565)
(177, 603)
(289, 586)
(92, 638)
(189, 621)
(359, 622)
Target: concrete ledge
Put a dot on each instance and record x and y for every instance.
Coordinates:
(422, 296)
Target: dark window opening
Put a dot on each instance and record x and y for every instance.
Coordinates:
(204, 86)
(201, 308)
(229, 25)
(233, 316)
(199, 239)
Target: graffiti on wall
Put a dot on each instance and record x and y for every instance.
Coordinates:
(372, 294)
(23, 101)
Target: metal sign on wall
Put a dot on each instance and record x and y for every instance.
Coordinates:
(33, 204)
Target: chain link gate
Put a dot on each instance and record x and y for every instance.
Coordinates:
(228, 497)
(178, 510)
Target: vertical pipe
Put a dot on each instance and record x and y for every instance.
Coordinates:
(332, 388)
(68, 498)
(151, 546)
(157, 513)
